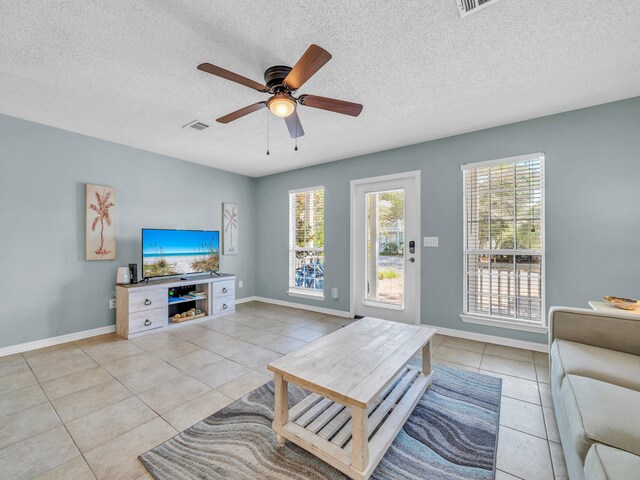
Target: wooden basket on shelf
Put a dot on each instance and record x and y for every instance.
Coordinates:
(623, 303)
(187, 318)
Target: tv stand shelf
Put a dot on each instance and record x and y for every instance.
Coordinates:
(179, 300)
(144, 308)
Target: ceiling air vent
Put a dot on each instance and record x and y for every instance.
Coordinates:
(467, 7)
(196, 125)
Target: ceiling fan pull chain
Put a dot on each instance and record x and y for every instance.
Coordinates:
(296, 149)
(268, 132)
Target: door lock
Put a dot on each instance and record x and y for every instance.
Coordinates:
(412, 247)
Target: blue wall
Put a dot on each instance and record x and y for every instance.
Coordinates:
(47, 288)
(592, 211)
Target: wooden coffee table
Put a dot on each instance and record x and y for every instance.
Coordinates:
(361, 384)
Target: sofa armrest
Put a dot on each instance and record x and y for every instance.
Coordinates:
(599, 329)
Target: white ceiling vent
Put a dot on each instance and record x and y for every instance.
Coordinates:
(467, 7)
(196, 125)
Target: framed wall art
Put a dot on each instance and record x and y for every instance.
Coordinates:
(230, 229)
(100, 234)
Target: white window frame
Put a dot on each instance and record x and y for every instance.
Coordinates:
(294, 291)
(496, 320)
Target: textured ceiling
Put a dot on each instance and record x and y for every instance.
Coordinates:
(125, 71)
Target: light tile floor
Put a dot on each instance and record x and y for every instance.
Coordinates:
(87, 409)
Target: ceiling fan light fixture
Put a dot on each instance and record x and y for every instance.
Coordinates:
(281, 105)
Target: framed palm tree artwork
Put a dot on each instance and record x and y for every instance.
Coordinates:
(100, 234)
(230, 230)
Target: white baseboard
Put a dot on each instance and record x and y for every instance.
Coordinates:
(481, 337)
(70, 337)
(245, 300)
(48, 342)
(301, 306)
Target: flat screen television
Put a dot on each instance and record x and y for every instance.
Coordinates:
(179, 252)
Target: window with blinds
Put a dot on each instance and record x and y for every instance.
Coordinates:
(306, 241)
(504, 239)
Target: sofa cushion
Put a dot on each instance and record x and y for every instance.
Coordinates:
(599, 412)
(619, 368)
(606, 463)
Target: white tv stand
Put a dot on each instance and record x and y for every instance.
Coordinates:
(144, 308)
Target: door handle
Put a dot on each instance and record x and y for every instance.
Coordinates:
(412, 260)
(147, 302)
(147, 322)
(224, 290)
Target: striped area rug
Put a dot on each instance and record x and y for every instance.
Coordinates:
(451, 434)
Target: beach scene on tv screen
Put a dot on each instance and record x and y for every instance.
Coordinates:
(178, 252)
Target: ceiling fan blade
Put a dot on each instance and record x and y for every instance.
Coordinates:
(331, 104)
(312, 61)
(242, 112)
(294, 125)
(234, 77)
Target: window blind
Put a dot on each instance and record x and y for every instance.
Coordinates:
(504, 238)
(306, 240)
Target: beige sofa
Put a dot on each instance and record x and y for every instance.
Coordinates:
(595, 385)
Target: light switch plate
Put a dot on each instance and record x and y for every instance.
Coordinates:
(430, 241)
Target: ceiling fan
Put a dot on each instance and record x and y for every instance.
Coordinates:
(281, 83)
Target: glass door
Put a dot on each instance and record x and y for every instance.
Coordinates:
(385, 269)
(385, 258)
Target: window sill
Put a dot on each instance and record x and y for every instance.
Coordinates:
(312, 296)
(504, 323)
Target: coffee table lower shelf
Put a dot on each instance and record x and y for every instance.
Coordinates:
(327, 429)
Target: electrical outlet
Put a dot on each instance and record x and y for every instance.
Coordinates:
(112, 303)
(240, 283)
